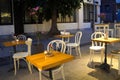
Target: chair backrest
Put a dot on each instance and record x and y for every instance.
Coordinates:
(67, 39)
(28, 42)
(21, 47)
(117, 29)
(97, 35)
(102, 27)
(58, 45)
(21, 37)
(78, 36)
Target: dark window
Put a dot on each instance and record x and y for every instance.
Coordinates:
(89, 12)
(107, 8)
(67, 19)
(5, 12)
(29, 20)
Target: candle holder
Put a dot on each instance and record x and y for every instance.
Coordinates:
(48, 53)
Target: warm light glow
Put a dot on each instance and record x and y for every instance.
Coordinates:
(5, 14)
(45, 52)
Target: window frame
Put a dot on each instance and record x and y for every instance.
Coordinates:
(88, 12)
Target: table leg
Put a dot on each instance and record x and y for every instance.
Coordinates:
(50, 74)
(104, 66)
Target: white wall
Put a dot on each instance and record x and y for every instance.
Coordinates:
(33, 27)
(46, 27)
(67, 26)
(6, 29)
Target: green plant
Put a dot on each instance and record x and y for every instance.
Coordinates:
(52, 9)
(35, 12)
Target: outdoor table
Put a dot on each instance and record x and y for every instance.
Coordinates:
(43, 62)
(64, 36)
(13, 44)
(104, 65)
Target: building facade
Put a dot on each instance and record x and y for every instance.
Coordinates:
(109, 8)
(85, 17)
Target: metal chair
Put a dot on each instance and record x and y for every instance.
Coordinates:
(76, 44)
(97, 46)
(57, 45)
(21, 55)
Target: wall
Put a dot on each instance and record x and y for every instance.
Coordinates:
(46, 27)
(33, 27)
(6, 29)
(61, 26)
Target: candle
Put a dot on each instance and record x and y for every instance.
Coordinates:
(45, 52)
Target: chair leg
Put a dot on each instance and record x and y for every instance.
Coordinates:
(29, 67)
(62, 71)
(91, 55)
(70, 50)
(79, 51)
(53, 75)
(76, 49)
(14, 66)
(40, 75)
(18, 63)
(119, 65)
(111, 60)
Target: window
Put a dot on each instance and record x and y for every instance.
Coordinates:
(89, 12)
(67, 19)
(29, 20)
(5, 12)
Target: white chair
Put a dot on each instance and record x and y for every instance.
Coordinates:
(21, 55)
(21, 47)
(97, 46)
(117, 29)
(66, 39)
(103, 28)
(21, 37)
(58, 45)
(116, 53)
(75, 44)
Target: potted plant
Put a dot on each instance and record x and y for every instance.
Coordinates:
(102, 17)
(34, 13)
